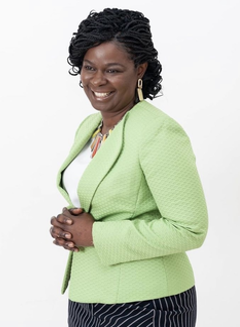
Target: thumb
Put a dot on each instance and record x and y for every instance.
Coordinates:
(76, 211)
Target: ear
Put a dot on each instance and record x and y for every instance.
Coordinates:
(141, 69)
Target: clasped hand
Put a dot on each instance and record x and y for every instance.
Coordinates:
(72, 229)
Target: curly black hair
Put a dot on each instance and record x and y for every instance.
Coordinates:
(132, 30)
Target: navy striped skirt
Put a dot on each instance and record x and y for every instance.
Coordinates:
(172, 311)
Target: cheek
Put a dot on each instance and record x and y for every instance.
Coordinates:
(84, 77)
(127, 85)
(131, 87)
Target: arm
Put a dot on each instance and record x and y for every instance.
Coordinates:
(168, 165)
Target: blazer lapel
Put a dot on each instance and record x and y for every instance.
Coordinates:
(83, 135)
(100, 165)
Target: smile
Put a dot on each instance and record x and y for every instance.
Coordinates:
(101, 95)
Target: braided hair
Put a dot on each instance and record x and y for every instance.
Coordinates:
(129, 28)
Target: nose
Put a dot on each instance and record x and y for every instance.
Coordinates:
(98, 79)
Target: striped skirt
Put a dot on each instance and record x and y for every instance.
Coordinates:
(172, 311)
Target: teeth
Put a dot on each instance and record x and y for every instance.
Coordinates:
(101, 95)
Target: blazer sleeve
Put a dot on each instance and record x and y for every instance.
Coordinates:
(168, 164)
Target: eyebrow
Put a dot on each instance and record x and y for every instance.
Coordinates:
(108, 65)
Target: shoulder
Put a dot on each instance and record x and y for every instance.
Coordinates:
(148, 119)
(157, 132)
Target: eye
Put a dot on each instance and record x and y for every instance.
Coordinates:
(112, 71)
(89, 68)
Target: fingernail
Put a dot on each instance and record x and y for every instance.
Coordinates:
(70, 245)
(67, 235)
(68, 221)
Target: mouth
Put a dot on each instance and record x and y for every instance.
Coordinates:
(101, 95)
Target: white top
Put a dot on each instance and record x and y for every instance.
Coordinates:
(73, 173)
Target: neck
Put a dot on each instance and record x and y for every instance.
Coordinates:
(109, 123)
(111, 119)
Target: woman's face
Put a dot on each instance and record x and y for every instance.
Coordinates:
(109, 78)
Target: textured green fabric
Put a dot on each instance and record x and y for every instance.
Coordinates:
(143, 189)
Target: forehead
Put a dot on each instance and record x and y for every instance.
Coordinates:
(108, 51)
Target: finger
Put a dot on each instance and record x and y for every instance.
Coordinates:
(62, 242)
(66, 209)
(59, 241)
(53, 218)
(76, 211)
(57, 232)
(54, 233)
(50, 231)
(64, 219)
(55, 222)
(66, 245)
(70, 246)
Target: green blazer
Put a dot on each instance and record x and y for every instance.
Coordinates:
(143, 189)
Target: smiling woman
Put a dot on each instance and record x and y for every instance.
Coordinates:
(136, 203)
(109, 78)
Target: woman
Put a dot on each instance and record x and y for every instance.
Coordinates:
(136, 203)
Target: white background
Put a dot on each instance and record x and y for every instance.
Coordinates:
(41, 107)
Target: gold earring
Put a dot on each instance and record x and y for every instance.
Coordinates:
(139, 89)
